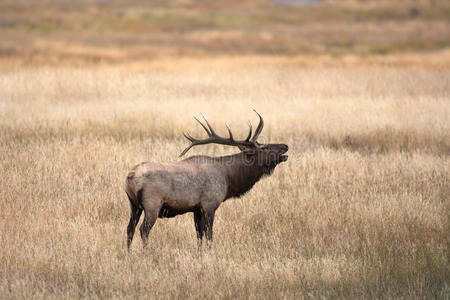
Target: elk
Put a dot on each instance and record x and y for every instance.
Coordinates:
(198, 184)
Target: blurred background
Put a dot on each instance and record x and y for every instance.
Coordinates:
(58, 32)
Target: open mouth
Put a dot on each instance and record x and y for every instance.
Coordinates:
(283, 157)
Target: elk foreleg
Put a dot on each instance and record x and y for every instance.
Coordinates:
(199, 226)
(208, 215)
(204, 220)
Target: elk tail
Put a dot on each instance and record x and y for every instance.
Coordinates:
(135, 198)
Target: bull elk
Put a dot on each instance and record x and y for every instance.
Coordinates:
(198, 184)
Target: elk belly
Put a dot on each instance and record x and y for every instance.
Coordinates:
(170, 212)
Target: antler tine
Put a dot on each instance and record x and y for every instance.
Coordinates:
(213, 133)
(250, 132)
(229, 132)
(186, 150)
(258, 129)
(188, 136)
(204, 127)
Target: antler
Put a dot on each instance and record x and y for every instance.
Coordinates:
(258, 129)
(214, 138)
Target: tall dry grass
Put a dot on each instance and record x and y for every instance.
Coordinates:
(360, 210)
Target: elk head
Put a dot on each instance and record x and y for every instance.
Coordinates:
(263, 155)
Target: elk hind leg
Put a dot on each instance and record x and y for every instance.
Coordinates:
(134, 219)
(152, 207)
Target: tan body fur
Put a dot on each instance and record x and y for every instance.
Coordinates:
(180, 185)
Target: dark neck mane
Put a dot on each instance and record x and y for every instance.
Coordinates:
(241, 175)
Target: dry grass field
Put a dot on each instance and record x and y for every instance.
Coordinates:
(360, 209)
